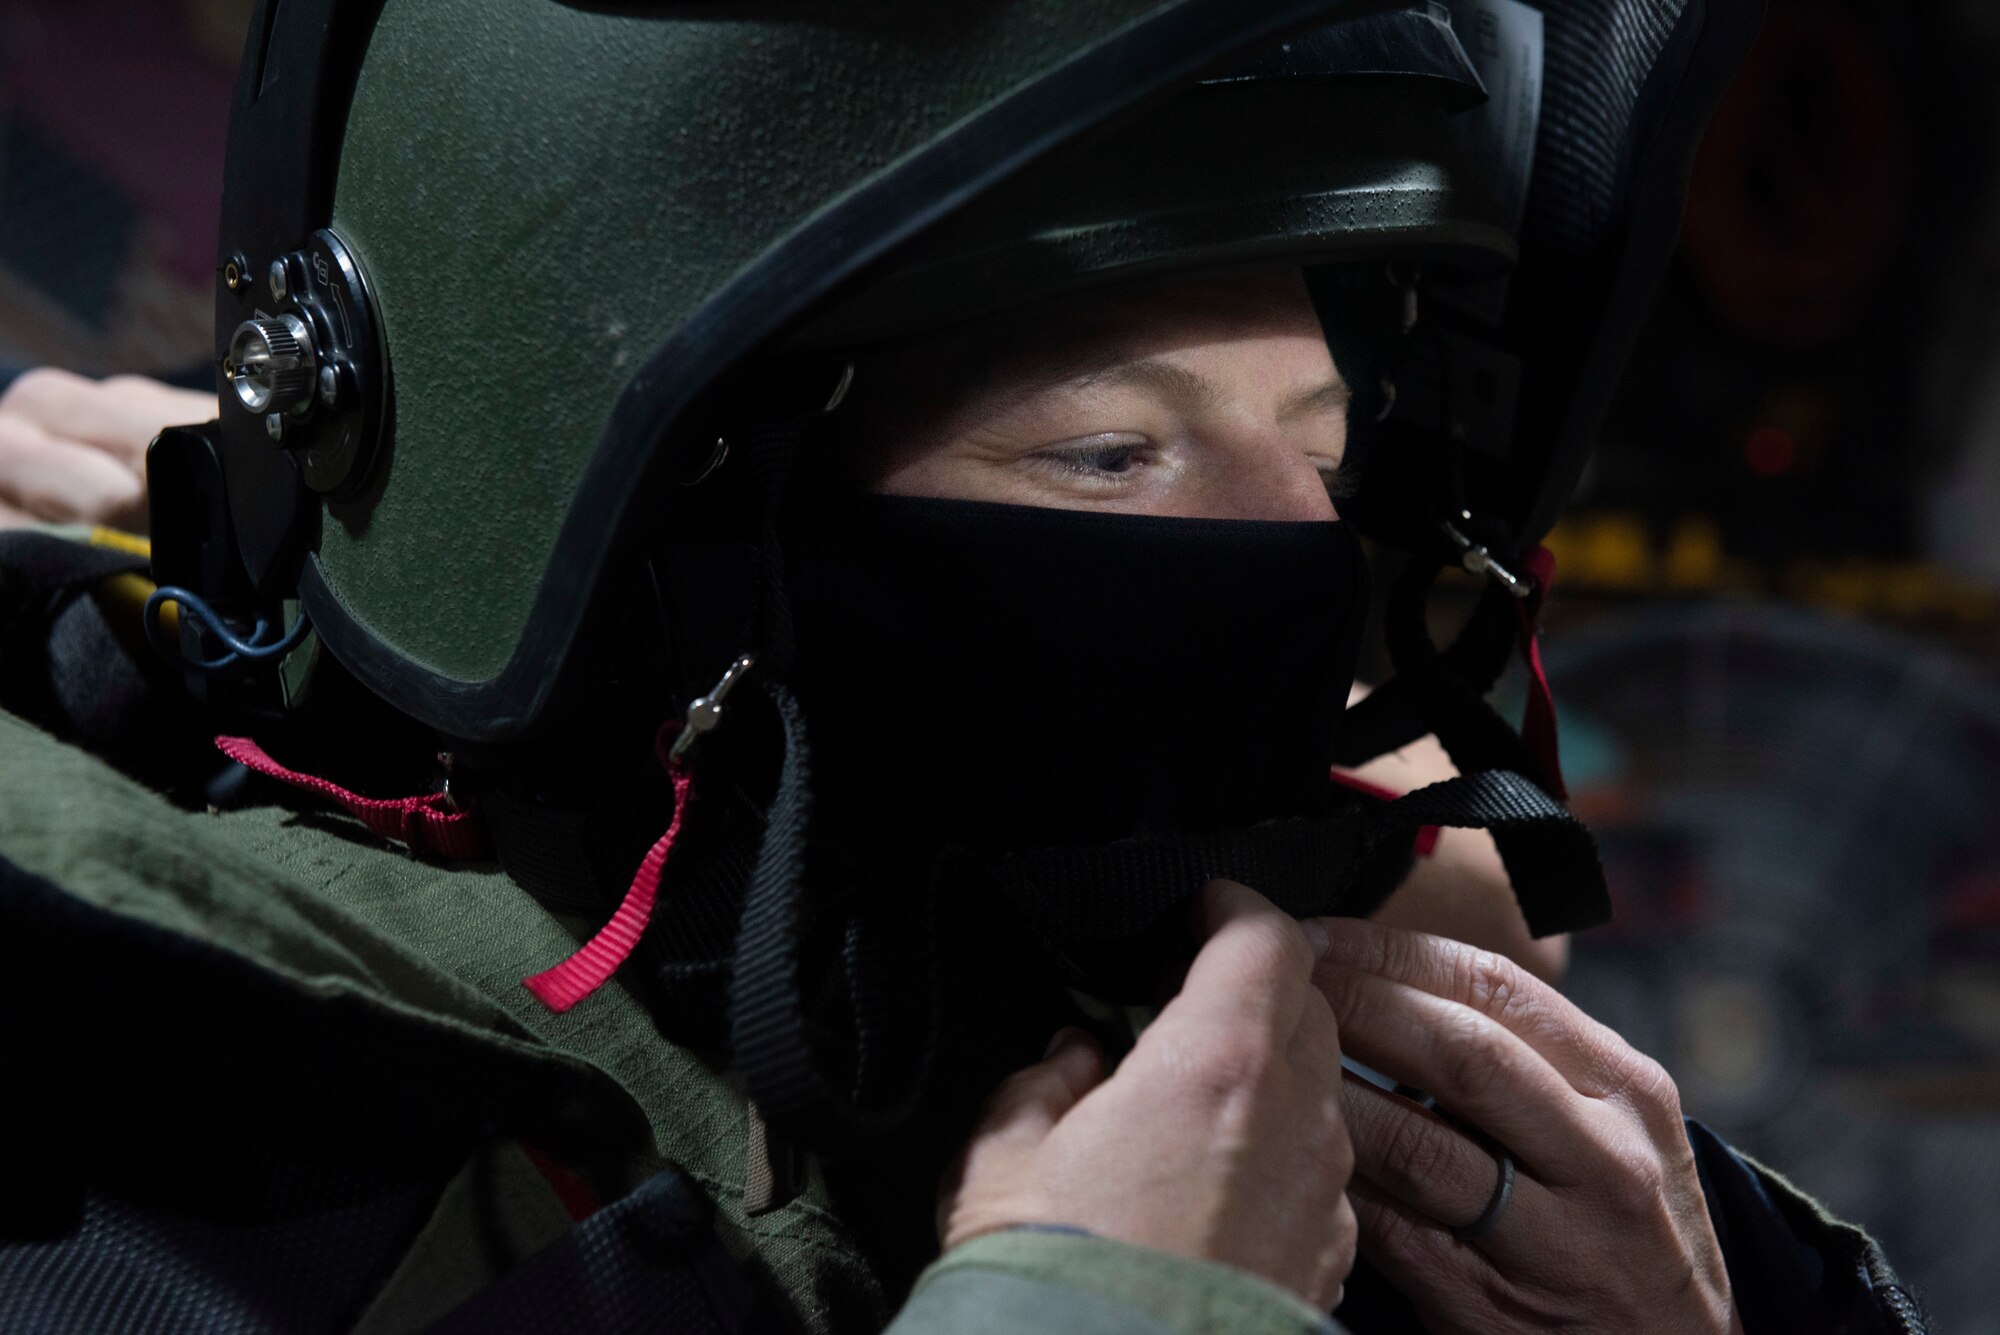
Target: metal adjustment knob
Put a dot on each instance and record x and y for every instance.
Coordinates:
(271, 363)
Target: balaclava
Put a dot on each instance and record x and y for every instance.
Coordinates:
(991, 679)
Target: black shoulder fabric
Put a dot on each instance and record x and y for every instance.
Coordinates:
(40, 576)
(647, 1263)
(36, 567)
(69, 671)
(308, 1260)
(1791, 1266)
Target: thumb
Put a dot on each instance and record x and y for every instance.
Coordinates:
(1021, 1112)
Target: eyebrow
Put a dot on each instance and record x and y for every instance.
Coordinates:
(1332, 397)
(1188, 391)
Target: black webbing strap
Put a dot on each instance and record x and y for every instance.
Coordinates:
(1451, 687)
(1444, 693)
(1345, 864)
(315, 1247)
(767, 985)
(75, 666)
(1387, 719)
(1307, 866)
(40, 575)
(885, 968)
(1437, 691)
(39, 569)
(1550, 856)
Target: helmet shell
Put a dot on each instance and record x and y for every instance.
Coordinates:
(577, 224)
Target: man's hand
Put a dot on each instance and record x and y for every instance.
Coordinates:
(1606, 1228)
(73, 450)
(1220, 1137)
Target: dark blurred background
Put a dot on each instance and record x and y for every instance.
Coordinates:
(1776, 646)
(1779, 624)
(113, 116)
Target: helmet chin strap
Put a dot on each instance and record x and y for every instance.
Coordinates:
(885, 962)
(780, 989)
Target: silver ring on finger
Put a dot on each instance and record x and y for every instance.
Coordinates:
(1503, 1192)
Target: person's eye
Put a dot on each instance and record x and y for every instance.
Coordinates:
(1106, 457)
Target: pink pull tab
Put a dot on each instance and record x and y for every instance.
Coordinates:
(1538, 721)
(592, 966)
(429, 824)
(1427, 835)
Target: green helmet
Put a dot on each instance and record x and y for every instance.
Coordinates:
(496, 276)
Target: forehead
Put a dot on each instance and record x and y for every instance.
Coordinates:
(1076, 336)
(1141, 320)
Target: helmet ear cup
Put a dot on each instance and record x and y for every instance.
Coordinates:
(308, 359)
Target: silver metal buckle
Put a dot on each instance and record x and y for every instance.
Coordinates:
(1477, 560)
(706, 712)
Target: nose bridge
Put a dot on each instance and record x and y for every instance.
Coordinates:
(1267, 474)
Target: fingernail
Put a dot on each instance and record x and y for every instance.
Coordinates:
(1317, 937)
(1063, 1038)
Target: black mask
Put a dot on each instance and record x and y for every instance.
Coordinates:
(1004, 677)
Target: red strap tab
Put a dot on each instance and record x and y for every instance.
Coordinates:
(592, 966)
(1538, 722)
(1427, 835)
(428, 824)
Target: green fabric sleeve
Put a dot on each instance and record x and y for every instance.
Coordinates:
(1074, 1284)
